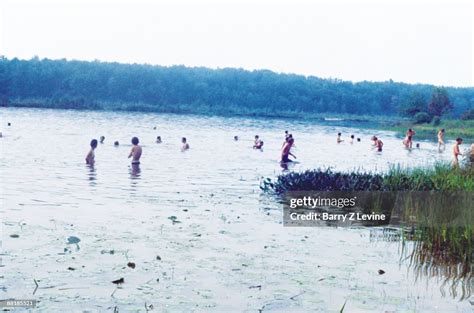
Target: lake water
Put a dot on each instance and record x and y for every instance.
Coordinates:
(201, 233)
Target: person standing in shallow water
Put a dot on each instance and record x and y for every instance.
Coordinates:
(185, 145)
(407, 142)
(286, 151)
(136, 151)
(441, 140)
(409, 138)
(457, 152)
(90, 157)
(258, 144)
(378, 143)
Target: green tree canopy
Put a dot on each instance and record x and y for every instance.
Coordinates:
(416, 103)
(439, 103)
(179, 89)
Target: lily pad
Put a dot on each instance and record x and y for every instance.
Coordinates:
(73, 240)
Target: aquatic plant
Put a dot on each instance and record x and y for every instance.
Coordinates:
(323, 180)
(440, 177)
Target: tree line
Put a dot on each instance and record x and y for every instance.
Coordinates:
(99, 85)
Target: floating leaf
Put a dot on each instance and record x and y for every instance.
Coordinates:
(73, 240)
(118, 281)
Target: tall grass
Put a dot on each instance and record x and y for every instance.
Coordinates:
(440, 177)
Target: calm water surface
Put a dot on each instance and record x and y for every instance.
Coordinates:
(202, 235)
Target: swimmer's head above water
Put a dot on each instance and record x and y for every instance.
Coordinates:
(135, 141)
(116, 143)
(236, 138)
(183, 140)
(94, 143)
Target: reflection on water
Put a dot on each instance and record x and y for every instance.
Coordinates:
(433, 258)
(435, 254)
(286, 166)
(437, 237)
(135, 171)
(443, 240)
(203, 205)
(91, 174)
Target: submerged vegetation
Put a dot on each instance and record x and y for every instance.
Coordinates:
(324, 180)
(434, 213)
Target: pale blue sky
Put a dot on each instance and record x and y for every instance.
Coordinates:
(411, 41)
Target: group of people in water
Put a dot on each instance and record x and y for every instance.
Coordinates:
(408, 142)
(135, 153)
(285, 147)
(288, 144)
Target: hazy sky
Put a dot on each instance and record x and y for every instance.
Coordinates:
(411, 41)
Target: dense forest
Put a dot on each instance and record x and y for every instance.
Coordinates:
(137, 87)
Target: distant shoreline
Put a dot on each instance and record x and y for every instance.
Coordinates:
(398, 124)
(145, 108)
